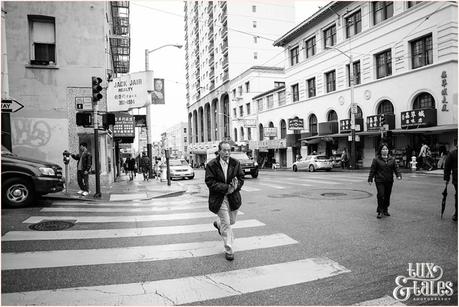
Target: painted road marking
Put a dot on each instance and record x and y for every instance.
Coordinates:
(249, 189)
(119, 233)
(382, 301)
(123, 219)
(148, 203)
(185, 290)
(125, 210)
(65, 258)
(130, 196)
(270, 185)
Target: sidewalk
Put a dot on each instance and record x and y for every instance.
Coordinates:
(125, 190)
(436, 172)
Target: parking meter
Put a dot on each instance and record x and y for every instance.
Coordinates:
(66, 155)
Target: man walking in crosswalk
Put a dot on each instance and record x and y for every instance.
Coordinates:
(224, 178)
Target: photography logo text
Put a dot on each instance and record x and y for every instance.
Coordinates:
(423, 283)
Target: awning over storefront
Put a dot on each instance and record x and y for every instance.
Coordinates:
(428, 130)
(319, 138)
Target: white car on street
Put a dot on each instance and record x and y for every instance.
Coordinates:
(313, 163)
(180, 169)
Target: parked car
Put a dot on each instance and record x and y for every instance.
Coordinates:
(248, 165)
(313, 163)
(23, 179)
(180, 169)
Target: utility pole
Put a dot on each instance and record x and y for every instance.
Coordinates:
(96, 96)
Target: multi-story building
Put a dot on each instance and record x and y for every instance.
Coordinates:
(176, 140)
(402, 56)
(222, 40)
(53, 50)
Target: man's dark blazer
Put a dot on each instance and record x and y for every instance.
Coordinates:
(86, 160)
(218, 187)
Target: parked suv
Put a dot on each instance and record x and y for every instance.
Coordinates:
(24, 178)
(248, 165)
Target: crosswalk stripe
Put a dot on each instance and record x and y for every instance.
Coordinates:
(148, 203)
(382, 301)
(64, 258)
(124, 219)
(270, 185)
(313, 181)
(130, 196)
(186, 290)
(125, 210)
(249, 189)
(119, 233)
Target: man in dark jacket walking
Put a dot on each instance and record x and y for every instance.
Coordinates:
(224, 178)
(451, 166)
(83, 167)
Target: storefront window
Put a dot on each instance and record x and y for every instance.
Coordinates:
(283, 125)
(313, 124)
(386, 107)
(332, 116)
(260, 132)
(424, 101)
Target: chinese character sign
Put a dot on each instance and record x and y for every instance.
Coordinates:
(419, 118)
(124, 125)
(295, 123)
(157, 95)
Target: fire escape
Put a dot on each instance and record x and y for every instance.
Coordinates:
(120, 42)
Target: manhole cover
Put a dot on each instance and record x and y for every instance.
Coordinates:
(333, 194)
(51, 225)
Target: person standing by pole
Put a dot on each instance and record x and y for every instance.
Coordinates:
(451, 166)
(83, 167)
(382, 170)
(145, 165)
(224, 178)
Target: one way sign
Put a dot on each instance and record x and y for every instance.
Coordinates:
(10, 106)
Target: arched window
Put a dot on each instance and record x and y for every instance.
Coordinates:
(271, 125)
(242, 134)
(283, 126)
(424, 101)
(332, 116)
(385, 107)
(359, 113)
(313, 124)
(260, 132)
(235, 134)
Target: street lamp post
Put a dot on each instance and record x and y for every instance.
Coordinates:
(353, 106)
(148, 123)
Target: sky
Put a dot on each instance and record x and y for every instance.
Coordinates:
(157, 23)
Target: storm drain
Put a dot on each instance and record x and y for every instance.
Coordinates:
(51, 225)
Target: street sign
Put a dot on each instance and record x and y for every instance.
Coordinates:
(83, 103)
(11, 106)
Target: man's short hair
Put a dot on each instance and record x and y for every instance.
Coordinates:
(84, 144)
(221, 143)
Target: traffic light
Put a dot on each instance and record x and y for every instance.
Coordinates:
(96, 89)
(108, 119)
(84, 119)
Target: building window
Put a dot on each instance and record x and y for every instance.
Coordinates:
(234, 93)
(235, 134)
(281, 98)
(255, 55)
(234, 112)
(283, 129)
(242, 134)
(247, 108)
(359, 113)
(311, 83)
(385, 107)
(313, 124)
(42, 40)
(241, 111)
(295, 92)
(260, 132)
(330, 36)
(332, 116)
(421, 51)
(260, 105)
(356, 71)
(310, 47)
(184, 139)
(249, 134)
(278, 84)
(184, 130)
(254, 8)
(254, 24)
(247, 87)
(382, 10)
(353, 24)
(270, 101)
(383, 64)
(330, 78)
(255, 39)
(239, 89)
(413, 3)
(294, 55)
(424, 101)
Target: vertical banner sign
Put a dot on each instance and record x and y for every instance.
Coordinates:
(157, 95)
(444, 91)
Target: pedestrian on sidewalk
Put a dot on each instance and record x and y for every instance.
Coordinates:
(131, 168)
(145, 166)
(344, 159)
(451, 166)
(382, 170)
(83, 168)
(224, 178)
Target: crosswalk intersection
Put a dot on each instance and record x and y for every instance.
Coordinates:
(112, 223)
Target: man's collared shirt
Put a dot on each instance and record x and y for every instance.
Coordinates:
(224, 166)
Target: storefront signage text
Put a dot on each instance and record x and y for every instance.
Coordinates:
(444, 91)
(270, 131)
(419, 118)
(124, 125)
(295, 123)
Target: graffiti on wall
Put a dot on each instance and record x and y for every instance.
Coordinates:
(30, 132)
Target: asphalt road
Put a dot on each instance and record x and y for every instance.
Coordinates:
(304, 239)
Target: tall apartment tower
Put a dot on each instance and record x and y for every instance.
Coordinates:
(222, 40)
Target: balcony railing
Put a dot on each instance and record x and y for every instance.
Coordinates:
(225, 46)
(225, 76)
(225, 62)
